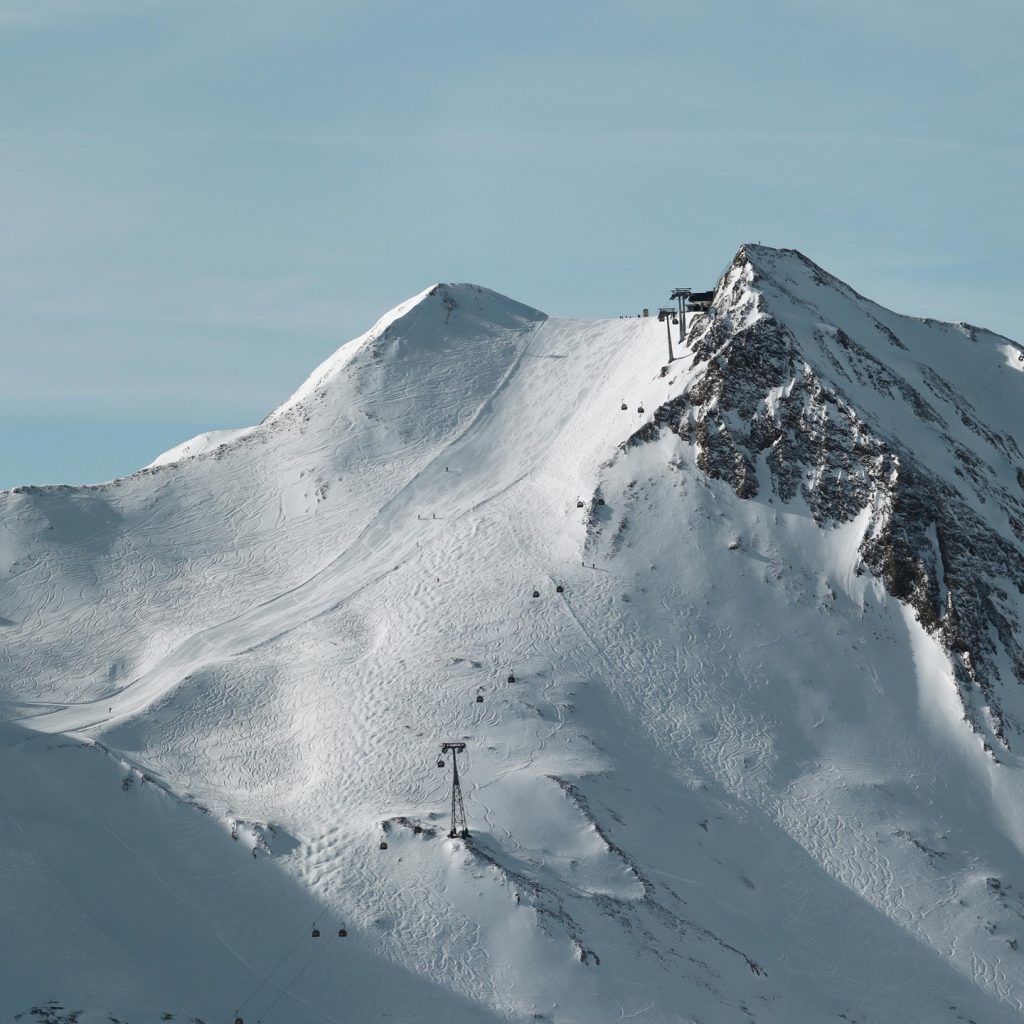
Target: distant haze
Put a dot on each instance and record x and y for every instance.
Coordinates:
(202, 201)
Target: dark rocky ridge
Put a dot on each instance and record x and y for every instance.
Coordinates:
(771, 408)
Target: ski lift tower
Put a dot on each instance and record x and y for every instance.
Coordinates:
(668, 314)
(681, 295)
(458, 829)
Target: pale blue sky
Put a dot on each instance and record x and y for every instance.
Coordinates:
(201, 200)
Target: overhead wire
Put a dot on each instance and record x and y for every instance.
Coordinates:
(302, 970)
(278, 966)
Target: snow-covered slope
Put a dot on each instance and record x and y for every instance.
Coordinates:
(750, 754)
(208, 441)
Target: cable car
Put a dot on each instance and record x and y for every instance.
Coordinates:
(511, 678)
(479, 698)
(536, 593)
(440, 762)
(624, 406)
(383, 844)
(640, 409)
(559, 589)
(316, 932)
(342, 933)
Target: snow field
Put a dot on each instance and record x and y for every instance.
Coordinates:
(726, 784)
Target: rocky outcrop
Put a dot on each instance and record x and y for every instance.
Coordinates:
(779, 402)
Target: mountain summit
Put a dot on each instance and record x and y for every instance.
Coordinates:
(732, 643)
(815, 395)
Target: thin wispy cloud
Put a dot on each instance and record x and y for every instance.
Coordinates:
(51, 13)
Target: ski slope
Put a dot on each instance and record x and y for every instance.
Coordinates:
(731, 779)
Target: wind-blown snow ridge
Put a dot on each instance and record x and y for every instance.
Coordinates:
(208, 441)
(720, 770)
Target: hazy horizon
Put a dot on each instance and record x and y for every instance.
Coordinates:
(204, 201)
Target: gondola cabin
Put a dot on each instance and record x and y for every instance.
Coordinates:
(699, 302)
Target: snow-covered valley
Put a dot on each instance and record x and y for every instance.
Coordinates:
(751, 753)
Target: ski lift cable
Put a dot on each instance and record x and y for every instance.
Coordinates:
(277, 967)
(302, 970)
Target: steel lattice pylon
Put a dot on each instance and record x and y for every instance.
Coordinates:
(459, 828)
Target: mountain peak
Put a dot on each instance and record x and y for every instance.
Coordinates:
(809, 394)
(789, 270)
(434, 316)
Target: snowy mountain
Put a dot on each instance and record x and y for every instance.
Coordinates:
(748, 648)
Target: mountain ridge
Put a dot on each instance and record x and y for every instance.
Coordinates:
(854, 462)
(716, 765)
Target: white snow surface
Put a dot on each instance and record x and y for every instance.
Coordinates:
(729, 783)
(202, 443)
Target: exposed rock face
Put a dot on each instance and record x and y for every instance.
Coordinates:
(808, 389)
